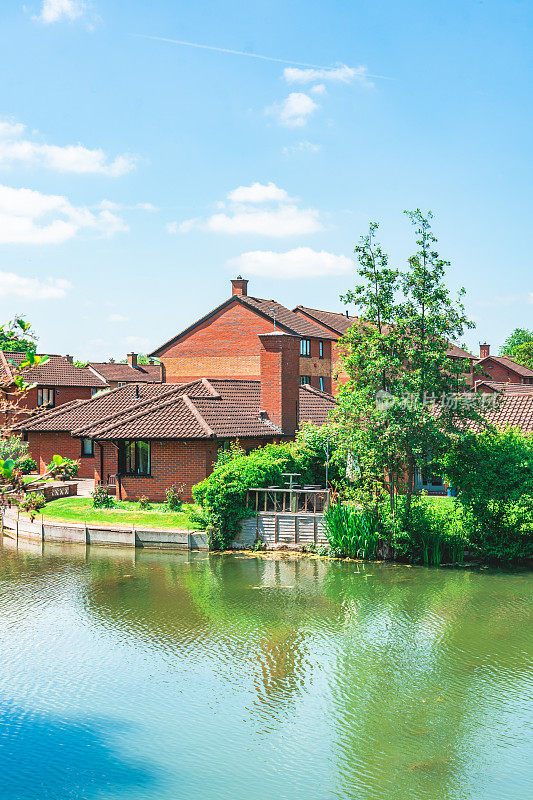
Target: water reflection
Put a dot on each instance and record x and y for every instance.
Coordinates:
(288, 677)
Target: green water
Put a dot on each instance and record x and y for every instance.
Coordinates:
(167, 676)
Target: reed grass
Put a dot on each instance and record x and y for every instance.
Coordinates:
(350, 531)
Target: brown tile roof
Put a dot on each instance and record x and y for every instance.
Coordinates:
(286, 319)
(340, 323)
(513, 410)
(201, 409)
(507, 388)
(70, 416)
(58, 371)
(124, 373)
(508, 363)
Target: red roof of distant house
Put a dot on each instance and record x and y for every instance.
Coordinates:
(509, 364)
(341, 323)
(57, 371)
(513, 410)
(508, 388)
(124, 373)
(200, 409)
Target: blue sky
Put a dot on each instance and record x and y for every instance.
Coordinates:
(138, 175)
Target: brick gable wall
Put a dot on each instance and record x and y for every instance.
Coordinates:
(44, 445)
(492, 370)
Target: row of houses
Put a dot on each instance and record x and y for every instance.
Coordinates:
(250, 369)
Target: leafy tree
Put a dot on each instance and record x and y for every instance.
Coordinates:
(404, 399)
(493, 473)
(523, 354)
(516, 339)
(17, 336)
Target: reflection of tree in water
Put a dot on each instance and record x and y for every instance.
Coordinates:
(425, 657)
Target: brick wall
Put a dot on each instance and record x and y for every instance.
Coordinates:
(494, 371)
(42, 446)
(280, 354)
(172, 461)
(227, 346)
(63, 394)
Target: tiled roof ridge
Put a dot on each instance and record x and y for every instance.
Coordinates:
(250, 301)
(6, 365)
(210, 388)
(101, 424)
(318, 392)
(323, 311)
(197, 415)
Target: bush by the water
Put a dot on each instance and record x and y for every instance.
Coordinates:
(351, 531)
(32, 503)
(174, 496)
(26, 464)
(493, 474)
(101, 499)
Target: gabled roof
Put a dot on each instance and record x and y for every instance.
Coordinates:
(57, 371)
(508, 363)
(124, 373)
(507, 388)
(340, 324)
(285, 319)
(201, 409)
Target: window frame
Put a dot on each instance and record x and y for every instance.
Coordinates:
(40, 394)
(305, 348)
(321, 382)
(305, 379)
(125, 458)
(320, 348)
(83, 453)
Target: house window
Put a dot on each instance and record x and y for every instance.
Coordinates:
(321, 383)
(122, 383)
(46, 397)
(93, 391)
(321, 349)
(305, 379)
(305, 347)
(135, 457)
(87, 448)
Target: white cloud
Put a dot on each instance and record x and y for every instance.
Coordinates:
(117, 318)
(320, 88)
(294, 111)
(138, 342)
(23, 288)
(145, 207)
(287, 220)
(301, 147)
(302, 262)
(60, 10)
(68, 158)
(259, 193)
(340, 74)
(30, 217)
(279, 215)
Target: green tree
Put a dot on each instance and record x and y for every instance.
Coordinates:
(516, 339)
(404, 399)
(17, 336)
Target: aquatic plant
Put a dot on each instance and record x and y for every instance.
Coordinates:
(351, 531)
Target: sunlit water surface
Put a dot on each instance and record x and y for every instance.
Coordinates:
(178, 676)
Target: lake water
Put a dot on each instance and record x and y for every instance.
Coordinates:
(168, 676)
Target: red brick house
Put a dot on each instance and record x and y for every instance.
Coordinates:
(57, 382)
(338, 324)
(224, 343)
(153, 435)
(115, 374)
(500, 369)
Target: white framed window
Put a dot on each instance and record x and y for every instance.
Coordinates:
(46, 397)
(305, 347)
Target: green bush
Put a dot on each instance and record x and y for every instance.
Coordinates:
(436, 532)
(14, 448)
(101, 499)
(32, 503)
(351, 531)
(174, 496)
(26, 464)
(144, 503)
(63, 468)
(198, 516)
(493, 474)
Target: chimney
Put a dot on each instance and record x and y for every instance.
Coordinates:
(484, 350)
(70, 359)
(280, 379)
(132, 360)
(239, 286)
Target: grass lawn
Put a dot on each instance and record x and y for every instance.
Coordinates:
(444, 501)
(80, 509)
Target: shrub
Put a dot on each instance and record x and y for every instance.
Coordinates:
(101, 499)
(144, 503)
(493, 474)
(32, 503)
(174, 496)
(198, 516)
(26, 464)
(63, 468)
(436, 532)
(351, 531)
